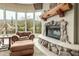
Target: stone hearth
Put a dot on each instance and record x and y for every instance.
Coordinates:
(58, 49)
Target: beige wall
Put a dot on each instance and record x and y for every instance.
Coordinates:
(17, 7)
(69, 17)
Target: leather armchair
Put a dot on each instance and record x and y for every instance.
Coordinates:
(22, 44)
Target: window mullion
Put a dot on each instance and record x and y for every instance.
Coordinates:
(34, 22)
(5, 32)
(25, 22)
(16, 26)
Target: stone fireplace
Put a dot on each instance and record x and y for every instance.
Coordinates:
(57, 30)
(56, 39)
(59, 35)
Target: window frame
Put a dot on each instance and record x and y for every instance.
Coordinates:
(16, 18)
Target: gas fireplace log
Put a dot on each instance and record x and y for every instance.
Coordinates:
(59, 9)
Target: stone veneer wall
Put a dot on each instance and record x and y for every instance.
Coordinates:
(70, 18)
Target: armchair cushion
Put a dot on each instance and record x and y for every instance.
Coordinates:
(23, 38)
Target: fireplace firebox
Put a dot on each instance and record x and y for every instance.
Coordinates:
(53, 30)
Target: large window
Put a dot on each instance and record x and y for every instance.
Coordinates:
(10, 15)
(29, 15)
(10, 21)
(37, 22)
(29, 21)
(21, 21)
(1, 14)
(1, 21)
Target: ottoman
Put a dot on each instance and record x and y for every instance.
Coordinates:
(20, 48)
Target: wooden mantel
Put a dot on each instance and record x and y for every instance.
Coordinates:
(59, 9)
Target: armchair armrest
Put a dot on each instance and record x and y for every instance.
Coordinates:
(15, 38)
(10, 42)
(31, 36)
